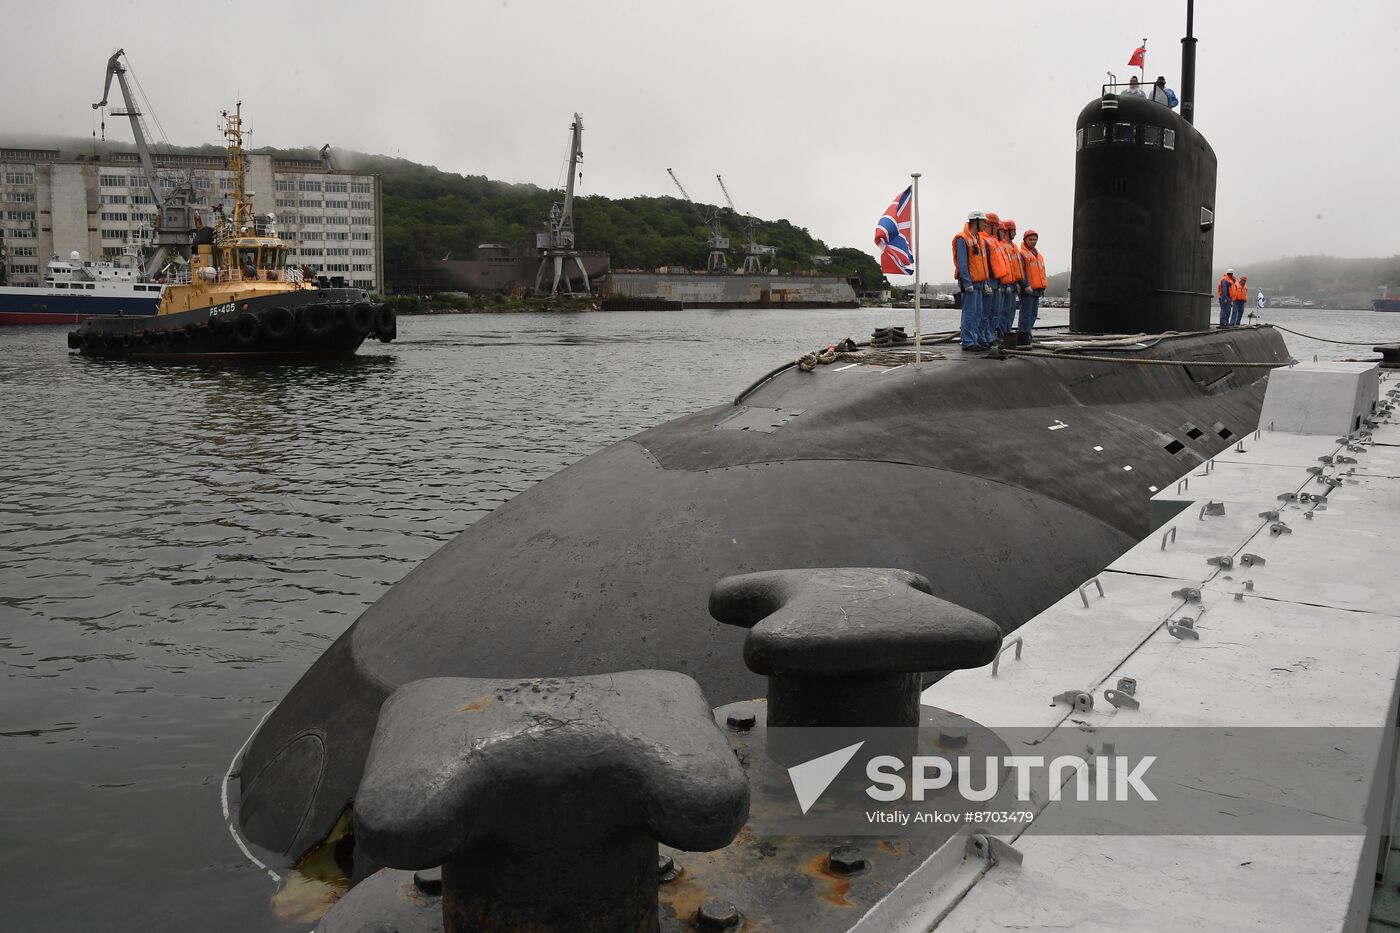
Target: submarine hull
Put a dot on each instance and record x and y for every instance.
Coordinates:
(1005, 482)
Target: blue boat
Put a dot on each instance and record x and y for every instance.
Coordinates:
(75, 290)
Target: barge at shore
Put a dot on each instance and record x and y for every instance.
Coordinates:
(672, 291)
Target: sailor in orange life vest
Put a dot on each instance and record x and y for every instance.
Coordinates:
(1032, 286)
(997, 269)
(1223, 291)
(1011, 282)
(970, 268)
(1241, 295)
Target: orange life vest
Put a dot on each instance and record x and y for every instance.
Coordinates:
(995, 256)
(976, 255)
(1226, 288)
(1013, 263)
(1238, 292)
(1035, 268)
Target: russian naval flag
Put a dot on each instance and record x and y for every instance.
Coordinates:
(892, 235)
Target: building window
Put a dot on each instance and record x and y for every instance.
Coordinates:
(286, 184)
(311, 251)
(21, 235)
(286, 202)
(361, 206)
(336, 267)
(201, 183)
(1152, 136)
(22, 197)
(308, 186)
(342, 205)
(361, 187)
(113, 199)
(337, 251)
(311, 219)
(138, 181)
(114, 215)
(361, 251)
(1168, 139)
(362, 267)
(143, 199)
(24, 268)
(362, 221)
(22, 251)
(357, 235)
(311, 235)
(110, 234)
(307, 202)
(19, 215)
(337, 235)
(1124, 133)
(336, 186)
(112, 181)
(19, 178)
(334, 221)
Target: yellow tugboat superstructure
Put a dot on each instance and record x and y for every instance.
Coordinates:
(238, 296)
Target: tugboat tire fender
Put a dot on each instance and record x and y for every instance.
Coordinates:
(246, 329)
(317, 320)
(74, 341)
(361, 318)
(278, 323)
(386, 324)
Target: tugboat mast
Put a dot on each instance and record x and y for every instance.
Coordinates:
(242, 207)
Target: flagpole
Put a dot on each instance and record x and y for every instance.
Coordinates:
(918, 333)
(1142, 67)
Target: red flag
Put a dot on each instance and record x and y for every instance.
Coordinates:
(1138, 56)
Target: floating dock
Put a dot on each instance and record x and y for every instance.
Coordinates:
(1266, 599)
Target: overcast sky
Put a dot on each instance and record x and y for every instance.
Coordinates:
(812, 111)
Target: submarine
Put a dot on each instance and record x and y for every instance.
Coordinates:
(1004, 481)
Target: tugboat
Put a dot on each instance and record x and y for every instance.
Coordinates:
(238, 298)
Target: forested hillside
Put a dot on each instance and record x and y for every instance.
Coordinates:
(430, 214)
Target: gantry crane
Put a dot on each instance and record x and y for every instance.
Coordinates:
(718, 259)
(753, 253)
(556, 243)
(174, 211)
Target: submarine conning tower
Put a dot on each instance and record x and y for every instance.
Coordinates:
(1144, 214)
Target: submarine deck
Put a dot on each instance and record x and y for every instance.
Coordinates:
(1307, 639)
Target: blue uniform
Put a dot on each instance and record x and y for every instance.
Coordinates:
(1222, 291)
(971, 322)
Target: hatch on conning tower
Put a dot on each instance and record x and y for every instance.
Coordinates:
(1144, 213)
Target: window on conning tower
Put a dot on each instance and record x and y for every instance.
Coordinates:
(1098, 132)
(1124, 133)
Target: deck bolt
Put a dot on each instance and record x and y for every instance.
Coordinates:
(953, 735)
(717, 916)
(666, 868)
(846, 860)
(428, 881)
(741, 722)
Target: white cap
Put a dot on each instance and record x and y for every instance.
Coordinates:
(977, 215)
(1229, 271)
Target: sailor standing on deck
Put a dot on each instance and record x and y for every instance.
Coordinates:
(1241, 296)
(1011, 283)
(1223, 291)
(997, 269)
(1032, 286)
(970, 267)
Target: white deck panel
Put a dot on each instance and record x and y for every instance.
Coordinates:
(1314, 642)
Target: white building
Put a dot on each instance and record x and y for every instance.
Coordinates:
(54, 204)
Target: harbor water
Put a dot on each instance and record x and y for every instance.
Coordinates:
(179, 542)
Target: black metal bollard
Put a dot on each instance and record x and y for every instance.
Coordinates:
(846, 646)
(544, 800)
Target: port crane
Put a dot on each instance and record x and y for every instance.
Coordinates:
(753, 253)
(718, 260)
(175, 211)
(556, 243)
